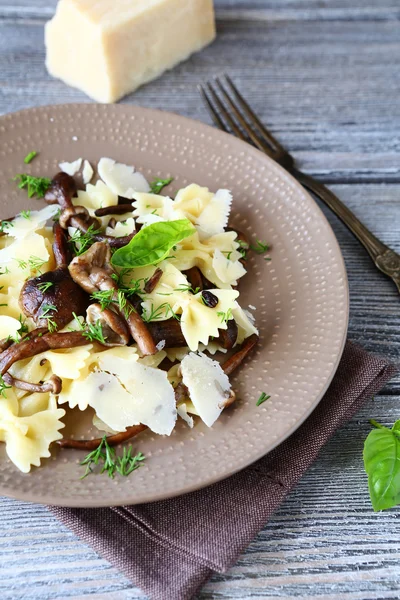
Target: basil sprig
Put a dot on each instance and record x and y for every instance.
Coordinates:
(382, 464)
(152, 244)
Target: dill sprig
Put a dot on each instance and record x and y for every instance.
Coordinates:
(4, 225)
(104, 298)
(26, 214)
(158, 313)
(260, 247)
(225, 316)
(104, 454)
(81, 241)
(93, 332)
(23, 328)
(47, 313)
(46, 285)
(35, 185)
(3, 387)
(29, 157)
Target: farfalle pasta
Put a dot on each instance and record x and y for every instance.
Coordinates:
(116, 299)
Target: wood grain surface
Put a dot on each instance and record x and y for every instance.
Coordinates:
(325, 76)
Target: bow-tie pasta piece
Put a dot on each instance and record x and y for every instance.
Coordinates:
(28, 438)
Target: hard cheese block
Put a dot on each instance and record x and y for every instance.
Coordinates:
(108, 48)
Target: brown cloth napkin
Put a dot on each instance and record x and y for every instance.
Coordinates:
(170, 548)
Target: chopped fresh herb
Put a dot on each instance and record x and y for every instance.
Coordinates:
(225, 317)
(56, 217)
(21, 263)
(186, 288)
(47, 313)
(34, 185)
(111, 463)
(228, 254)
(26, 214)
(35, 263)
(154, 212)
(92, 332)
(159, 184)
(262, 398)
(82, 241)
(124, 306)
(382, 465)
(3, 387)
(5, 272)
(242, 244)
(29, 157)
(104, 298)
(260, 247)
(4, 225)
(158, 313)
(22, 329)
(127, 463)
(46, 285)
(3, 304)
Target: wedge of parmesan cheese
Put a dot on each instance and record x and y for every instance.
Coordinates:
(71, 168)
(208, 385)
(108, 48)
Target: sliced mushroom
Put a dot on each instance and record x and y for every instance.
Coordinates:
(151, 283)
(169, 331)
(238, 357)
(227, 337)
(61, 250)
(62, 293)
(114, 329)
(52, 385)
(92, 271)
(119, 209)
(112, 440)
(195, 278)
(38, 344)
(61, 190)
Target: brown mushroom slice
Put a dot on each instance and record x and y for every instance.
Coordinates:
(36, 345)
(61, 250)
(114, 329)
(112, 440)
(181, 394)
(92, 271)
(52, 385)
(151, 283)
(195, 278)
(60, 292)
(240, 355)
(118, 209)
(227, 337)
(61, 190)
(168, 331)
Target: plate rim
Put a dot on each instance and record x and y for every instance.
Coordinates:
(98, 503)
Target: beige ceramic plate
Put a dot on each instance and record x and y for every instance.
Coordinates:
(301, 296)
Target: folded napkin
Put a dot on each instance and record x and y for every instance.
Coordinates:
(170, 548)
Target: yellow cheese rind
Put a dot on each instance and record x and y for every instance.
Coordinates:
(109, 48)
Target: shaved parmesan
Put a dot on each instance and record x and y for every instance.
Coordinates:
(71, 168)
(151, 397)
(87, 172)
(208, 385)
(122, 179)
(36, 220)
(122, 228)
(227, 271)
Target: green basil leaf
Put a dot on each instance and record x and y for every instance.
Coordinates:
(382, 464)
(152, 244)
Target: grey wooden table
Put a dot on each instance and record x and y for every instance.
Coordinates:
(324, 74)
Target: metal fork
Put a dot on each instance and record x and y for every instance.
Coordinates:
(232, 114)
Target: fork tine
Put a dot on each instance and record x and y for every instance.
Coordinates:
(251, 115)
(255, 138)
(214, 115)
(226, 116)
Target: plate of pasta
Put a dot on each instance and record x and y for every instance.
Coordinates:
(172, 305)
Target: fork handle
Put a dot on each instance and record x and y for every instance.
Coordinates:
(384, 258)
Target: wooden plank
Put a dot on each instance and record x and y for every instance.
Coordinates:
(308, 83)
(271, 10)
